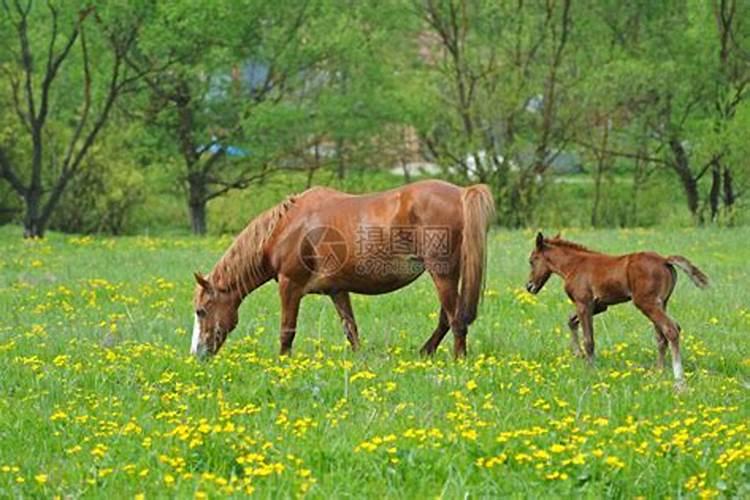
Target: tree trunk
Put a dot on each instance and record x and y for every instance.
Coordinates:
(597, 192)
(689, 184)
(713, 195)
(639, 176)
(341, 158)
(405, 169)
(197, 201)
(198, 217)
(729, 195)
(33, 225)
(601, 159)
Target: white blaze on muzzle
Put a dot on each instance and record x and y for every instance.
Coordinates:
(196, 336)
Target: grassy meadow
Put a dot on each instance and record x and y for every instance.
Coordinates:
(99, 397)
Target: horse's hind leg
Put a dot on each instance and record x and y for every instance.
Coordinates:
(290, 296)
(344, 307)
(429, 348)
(661, 340)
(661, 343)
(669, 329)
(447, 289)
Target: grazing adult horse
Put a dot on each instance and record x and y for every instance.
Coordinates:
(328, 242)
(595, 281)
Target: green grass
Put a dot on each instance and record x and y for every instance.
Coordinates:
(98, 397)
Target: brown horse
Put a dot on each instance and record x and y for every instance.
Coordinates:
(332, 243)
(594, 281)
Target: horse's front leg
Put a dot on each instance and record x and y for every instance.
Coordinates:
(290, 295)
(575, 344)
(574, 321)
(584, 311)
(344, 307)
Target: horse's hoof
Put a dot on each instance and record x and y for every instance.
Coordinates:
(680, 387)
(426, 352)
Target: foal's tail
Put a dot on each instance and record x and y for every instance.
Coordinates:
(479, 210)
(695, 274)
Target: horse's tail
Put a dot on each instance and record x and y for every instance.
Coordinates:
(695, 274)
(479, 210)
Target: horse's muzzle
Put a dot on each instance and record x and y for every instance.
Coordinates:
(202, 353)
(531, 287)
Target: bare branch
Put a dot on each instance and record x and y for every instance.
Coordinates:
(86, 101)
(241, 182)
(27, 62)
(55, 61)
(15, 91)
(621, 154)
(7, 173)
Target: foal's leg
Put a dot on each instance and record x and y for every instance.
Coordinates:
(344, 308)
(290, 295)
(661, 340)
(575, 345)
(654, 310)
(447, 289)
(573, 323)
(429, 348)
(585, 313)
(661, 344)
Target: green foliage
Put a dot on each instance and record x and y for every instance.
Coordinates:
(104, 194)
(348, 87)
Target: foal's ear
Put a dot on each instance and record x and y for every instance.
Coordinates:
(202, 281)
(539, 241)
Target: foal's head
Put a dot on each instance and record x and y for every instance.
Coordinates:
(540, 267)
(215, 316)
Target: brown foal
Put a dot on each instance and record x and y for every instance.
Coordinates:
(595, 281)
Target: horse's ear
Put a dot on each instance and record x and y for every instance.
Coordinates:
(202, 281)
(539, 240)
(557, 236)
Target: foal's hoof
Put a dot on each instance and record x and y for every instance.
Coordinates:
(680, 387)
(426, 352)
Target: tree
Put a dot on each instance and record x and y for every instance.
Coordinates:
(503, 77)
(696, 78)
(218, 82)
(46, 41)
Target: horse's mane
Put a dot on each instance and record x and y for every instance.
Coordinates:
(559, 242)
(241, 266)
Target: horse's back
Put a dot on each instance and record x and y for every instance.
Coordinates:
(422, 202)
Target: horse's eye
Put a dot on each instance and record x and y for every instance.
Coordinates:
(200, 312)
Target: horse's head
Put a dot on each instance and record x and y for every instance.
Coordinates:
(540, 267)
(215, 316)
